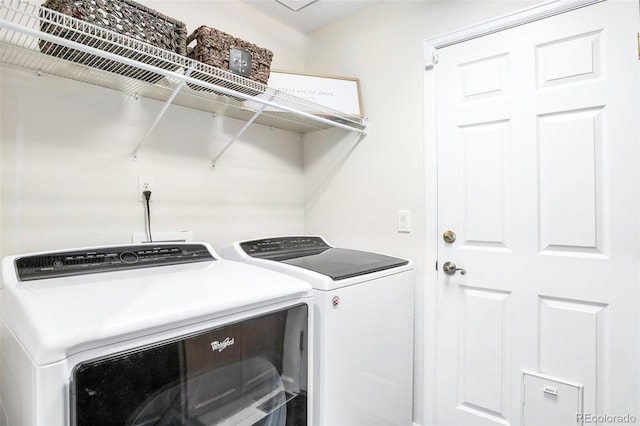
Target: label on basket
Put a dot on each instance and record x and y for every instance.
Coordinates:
(240, 62)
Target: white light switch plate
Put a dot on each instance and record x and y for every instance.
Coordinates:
(404, 220)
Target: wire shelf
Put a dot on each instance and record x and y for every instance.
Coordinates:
(43, 40)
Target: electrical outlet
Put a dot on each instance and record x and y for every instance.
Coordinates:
(144, 184)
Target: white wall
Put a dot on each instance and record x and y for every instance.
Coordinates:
(68, 178)
(353, 191)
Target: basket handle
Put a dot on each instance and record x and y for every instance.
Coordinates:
(193, 36)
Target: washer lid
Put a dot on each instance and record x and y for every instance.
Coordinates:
(340, 264)
(315, 254)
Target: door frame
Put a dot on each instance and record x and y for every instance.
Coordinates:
(430, 60)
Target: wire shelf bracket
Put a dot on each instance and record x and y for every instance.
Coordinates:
(237, 135)
(164, 109)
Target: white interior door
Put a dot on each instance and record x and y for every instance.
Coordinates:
(537, 140)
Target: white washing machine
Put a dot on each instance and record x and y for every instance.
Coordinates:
(363, 326)
(152, 335)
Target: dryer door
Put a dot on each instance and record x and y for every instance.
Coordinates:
(227, 375)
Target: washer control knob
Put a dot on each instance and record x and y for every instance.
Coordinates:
(129, 257)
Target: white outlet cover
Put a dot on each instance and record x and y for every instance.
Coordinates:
(142, 180)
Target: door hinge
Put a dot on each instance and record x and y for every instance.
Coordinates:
(436, 265)
(431, 58)
(639, 46)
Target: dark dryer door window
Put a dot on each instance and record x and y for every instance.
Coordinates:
(232, 374)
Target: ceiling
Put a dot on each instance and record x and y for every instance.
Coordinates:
(310, 15)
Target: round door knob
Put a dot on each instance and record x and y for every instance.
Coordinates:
(450, 268)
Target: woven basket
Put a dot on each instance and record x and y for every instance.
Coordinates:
(213, 48)
(122, 17)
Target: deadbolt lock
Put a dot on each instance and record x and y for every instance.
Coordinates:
(449, 237)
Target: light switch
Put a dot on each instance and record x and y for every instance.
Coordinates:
(404, 220)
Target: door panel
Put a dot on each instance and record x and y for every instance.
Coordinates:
(484, 351)
(485, 196)
(571, 198)
(538, 177)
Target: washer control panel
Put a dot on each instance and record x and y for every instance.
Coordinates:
(115, 258)
(284, 247)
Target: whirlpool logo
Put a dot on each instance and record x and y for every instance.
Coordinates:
(221, 346)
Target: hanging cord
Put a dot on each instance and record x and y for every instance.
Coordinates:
(147, 197)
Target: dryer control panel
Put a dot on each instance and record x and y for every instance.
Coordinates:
(104, 259)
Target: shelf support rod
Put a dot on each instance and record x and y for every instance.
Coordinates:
(164, 109)
(240, 133)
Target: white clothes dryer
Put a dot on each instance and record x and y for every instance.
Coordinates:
(153, 334)
(363, 326)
